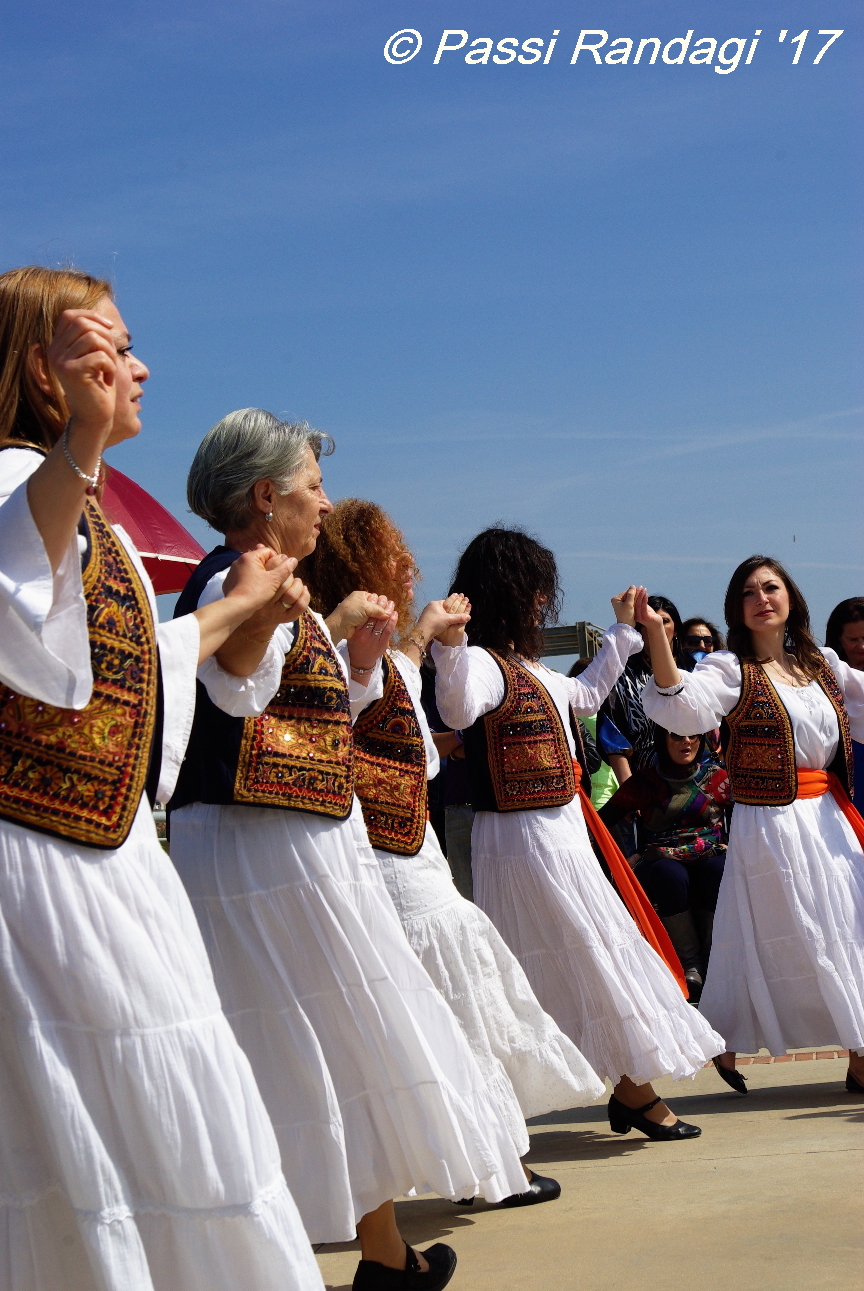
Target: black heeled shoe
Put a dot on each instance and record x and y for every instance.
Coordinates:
(372, 1276)
(732, 1076)
(623, 1119)
(853, 1085)
(539, 1189)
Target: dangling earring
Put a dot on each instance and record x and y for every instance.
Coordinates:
(268, 516)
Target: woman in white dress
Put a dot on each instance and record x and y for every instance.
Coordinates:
(787, 960)
(535, 873)
(370, 1083)
(531, 1066)
(135, 1150)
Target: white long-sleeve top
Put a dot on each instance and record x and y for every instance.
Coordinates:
(249, 696)
(44, 643)
(469, 682)
(706, 695)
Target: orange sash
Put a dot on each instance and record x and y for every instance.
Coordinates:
(812, 784)
(630, 889)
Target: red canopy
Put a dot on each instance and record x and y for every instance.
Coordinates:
(169, 551)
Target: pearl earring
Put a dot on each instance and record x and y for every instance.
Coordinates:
(269, 516)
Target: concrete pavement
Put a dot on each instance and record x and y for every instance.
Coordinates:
(770, 1196)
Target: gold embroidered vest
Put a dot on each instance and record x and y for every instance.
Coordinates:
(79, 773)
(518, 756)
(390, 760)
(759, 744)
(299, 753)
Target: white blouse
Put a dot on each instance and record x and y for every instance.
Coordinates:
(470, 683)
(44, 643)
(712, 690)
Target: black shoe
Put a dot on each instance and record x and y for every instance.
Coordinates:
(853, 1085)
(693, 978)
(372, 1276)
(539, 1189)
(623, 1119)
(732, 1076)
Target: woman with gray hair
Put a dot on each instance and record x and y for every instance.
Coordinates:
(371, 1085)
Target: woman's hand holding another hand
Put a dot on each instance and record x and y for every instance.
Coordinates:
(623, 605)
(445, 620)
(355, 612)
(83, 358)
(368, 643)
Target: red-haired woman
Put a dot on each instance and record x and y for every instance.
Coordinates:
(531, 1066)
(135, 1150)
(787, 961)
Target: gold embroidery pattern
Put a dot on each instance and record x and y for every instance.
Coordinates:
(299, 753)
(80, 774)
(761, 752)
(529, 759)
(390, 759)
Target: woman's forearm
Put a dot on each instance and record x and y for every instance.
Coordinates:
(221, 624)
(620, 765)
(663, 664)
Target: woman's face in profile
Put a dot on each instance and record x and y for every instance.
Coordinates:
(852, 641)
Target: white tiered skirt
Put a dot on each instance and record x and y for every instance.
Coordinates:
(787, 960)
(539, 881)
(532, 1067)
(135, 1150)
(371, 1085)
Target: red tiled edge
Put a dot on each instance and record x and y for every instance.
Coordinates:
(744, 1060)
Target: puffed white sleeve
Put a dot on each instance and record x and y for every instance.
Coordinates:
(410, 674)
(244, 696)
(587, 691)
(468, 683)
(44, 643)
(701, 699)
(851, 682)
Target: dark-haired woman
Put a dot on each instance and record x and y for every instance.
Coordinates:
(535, 873)
(135, 1150)
(787, 961)
(698, 638)
(680, 801)
(531, 1067)
(625, 736)
(845, 635)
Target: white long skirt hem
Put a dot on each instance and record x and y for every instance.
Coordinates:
(787, 960)
(539, 881)
(135, 1150)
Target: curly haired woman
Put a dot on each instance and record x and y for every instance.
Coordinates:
(535, 873)
(531, 1067)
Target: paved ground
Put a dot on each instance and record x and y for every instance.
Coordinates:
(770, 1196)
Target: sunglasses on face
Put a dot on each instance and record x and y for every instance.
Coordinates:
(681, 738)
(697, 641)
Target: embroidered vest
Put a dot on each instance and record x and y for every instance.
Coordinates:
(518, 756)
(759, 745)
(390, 760)
(298, 755)
(80, 774)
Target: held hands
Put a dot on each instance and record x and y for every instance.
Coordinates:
(265, 580)
(623, 605)
(356, 611)
(369, 641)
(649, 618)
(445, 620)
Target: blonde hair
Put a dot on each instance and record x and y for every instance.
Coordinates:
(31, 301)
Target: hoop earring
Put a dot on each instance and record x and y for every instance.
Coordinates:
(268, 516)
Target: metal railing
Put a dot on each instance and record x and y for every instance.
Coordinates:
(582, 639)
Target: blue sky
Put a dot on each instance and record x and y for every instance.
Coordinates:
(619, 305)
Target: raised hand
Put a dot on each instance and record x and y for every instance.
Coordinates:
(83, 359)
(355, 612)
(452, 615)
(644, 614)
(368, 644)
(623, 605)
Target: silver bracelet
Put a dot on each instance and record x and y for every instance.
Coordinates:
(362, 671)
(92, 481)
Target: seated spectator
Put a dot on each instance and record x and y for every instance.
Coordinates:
(700, 637)
(679, 802)
(845, 634)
